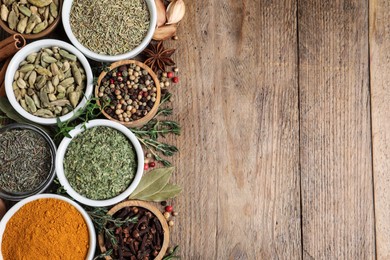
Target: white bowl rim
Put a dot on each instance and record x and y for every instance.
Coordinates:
(66, 9)
(21, 55)
(91, 229)
(61, 154)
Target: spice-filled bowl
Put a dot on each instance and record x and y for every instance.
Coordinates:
(108, 31)
(47, 81)
(149, 218)
(101, 164)
(27, 155)
(33, 19)
(129, 93)
(49, 225)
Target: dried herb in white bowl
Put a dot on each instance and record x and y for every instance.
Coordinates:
(100, 163)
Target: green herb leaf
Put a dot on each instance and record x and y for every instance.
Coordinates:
(172, 254)
(168, 192)
(152, 183)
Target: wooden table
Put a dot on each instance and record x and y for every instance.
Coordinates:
(285, 147)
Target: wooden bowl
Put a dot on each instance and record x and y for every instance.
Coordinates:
(142, 121)
(151, 208)
(32, 36)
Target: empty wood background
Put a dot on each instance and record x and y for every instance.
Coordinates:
(285, 150)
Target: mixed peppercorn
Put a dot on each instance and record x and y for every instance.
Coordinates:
(128, 92)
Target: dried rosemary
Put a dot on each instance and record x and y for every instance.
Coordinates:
(110, 27)
(100, 163)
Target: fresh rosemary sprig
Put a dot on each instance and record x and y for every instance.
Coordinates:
(155, 146)
(148, 134)
(103, 255)
(100, 218)
(156, 128)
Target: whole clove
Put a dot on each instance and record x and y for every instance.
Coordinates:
(142, 240)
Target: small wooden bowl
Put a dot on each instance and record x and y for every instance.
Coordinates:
(32, 36)
(142, 121)
(151, 208)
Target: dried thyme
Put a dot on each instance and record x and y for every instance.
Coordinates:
(25, 160)
(110, 27)
(100, 163)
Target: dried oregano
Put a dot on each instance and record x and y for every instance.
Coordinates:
(110, 27)
(100, 163)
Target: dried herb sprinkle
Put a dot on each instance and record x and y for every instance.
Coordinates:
(110, 27)
(25, 160)
(100, 163)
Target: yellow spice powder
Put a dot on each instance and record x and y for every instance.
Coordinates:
(46, 229)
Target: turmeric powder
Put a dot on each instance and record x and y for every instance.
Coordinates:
(46, 229)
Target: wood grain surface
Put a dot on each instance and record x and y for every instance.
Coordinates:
(277, 100)
(239, 148)
(336, 166)
(380, 99)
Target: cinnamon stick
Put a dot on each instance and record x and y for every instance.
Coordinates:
(2, 77)
(11, 45)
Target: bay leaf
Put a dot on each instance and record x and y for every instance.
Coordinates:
(8, 110)
(170, 191)
(152, 183)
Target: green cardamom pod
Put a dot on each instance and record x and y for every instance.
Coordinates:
(32, 78)
(67, 82)
(23, 104)
(21, 83)
(53, 10)
(44, 98)
(40, 27)
(12, 20)
(49, 59)
(22, 25)
(43, 71)
(74, 98)
(36, 101)
(26, 68)
(76, 73)
(24, 10)
(40, 3)
(30, 104)
(41, 82)
(55, 80)
(67, 55)
(44, 113)
(4, 12)
(30, 27)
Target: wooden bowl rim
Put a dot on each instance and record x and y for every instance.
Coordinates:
(142, 121)
(151, 208)
(33, 36)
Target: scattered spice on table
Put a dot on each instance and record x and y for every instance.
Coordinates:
(25, 160)
(46, 229)
(130, 92)
(110, 27)
(141, 240)
(100, 163)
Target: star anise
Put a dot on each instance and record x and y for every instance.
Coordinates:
(157, 57)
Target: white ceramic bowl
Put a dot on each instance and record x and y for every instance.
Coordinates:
(59, 163)
(34, 47)
(66, 9)
(88, 221)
